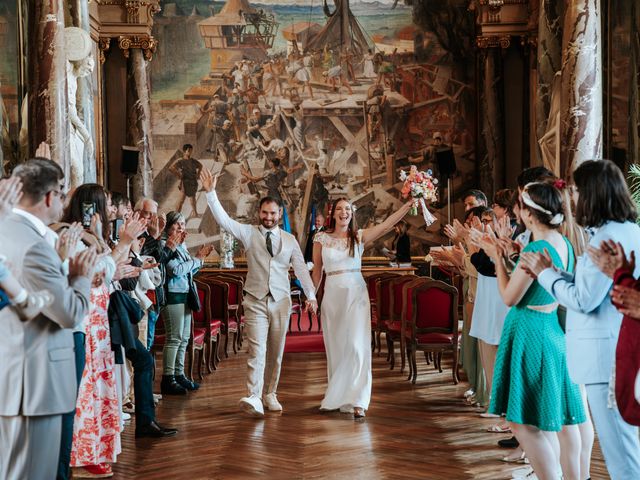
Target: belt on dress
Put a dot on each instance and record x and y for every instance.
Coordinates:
(340, 272)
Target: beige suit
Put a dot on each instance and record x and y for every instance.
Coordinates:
(37, 372)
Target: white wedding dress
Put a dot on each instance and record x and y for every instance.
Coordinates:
(346, 322)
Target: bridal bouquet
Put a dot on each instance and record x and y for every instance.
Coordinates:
(421, 186)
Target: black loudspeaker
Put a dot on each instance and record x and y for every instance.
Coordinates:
(130, 159)
(446, 162)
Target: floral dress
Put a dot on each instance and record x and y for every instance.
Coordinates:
(96, 427)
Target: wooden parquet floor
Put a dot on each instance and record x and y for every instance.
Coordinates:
(421, 431)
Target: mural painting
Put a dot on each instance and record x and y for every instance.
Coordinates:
(305, 102)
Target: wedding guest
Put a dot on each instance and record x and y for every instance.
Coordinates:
(613, 262)
(180, 267)
(400, 251)
(474, 198)
(96, 426)
(36, 385)
(604, 206)
(531, 383)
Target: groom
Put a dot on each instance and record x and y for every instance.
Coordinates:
(267, 301)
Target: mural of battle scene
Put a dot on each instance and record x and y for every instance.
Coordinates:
(304, 101)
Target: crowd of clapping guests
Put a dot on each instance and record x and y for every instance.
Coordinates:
(83, 279)
(549, 273)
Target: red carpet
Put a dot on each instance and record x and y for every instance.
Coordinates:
(303, 340)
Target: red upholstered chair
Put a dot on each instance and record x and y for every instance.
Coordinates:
(434, 324)
(236, 296)
(219, 304)
(372, 284)
(197, 344)
(383, 303)
(394, 323)
(213, 327)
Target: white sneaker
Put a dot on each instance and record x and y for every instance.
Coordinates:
(252, 406)
(272, 403)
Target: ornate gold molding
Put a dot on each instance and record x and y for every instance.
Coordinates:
(503, 41)
(148, 45)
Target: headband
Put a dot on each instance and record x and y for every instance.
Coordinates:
(556, 219)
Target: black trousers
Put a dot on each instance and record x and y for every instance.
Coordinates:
(142, 361)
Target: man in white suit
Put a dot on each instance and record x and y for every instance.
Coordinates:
(267, 301)
(37, 373)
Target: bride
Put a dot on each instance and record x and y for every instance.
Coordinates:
(346, 314)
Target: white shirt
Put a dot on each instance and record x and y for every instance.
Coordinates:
(243, 233)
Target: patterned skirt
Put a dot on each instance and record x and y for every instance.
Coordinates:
(531, 383)
(96, 427)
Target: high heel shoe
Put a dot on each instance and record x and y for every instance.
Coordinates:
(358, 412)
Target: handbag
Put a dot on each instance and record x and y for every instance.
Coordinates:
(193, 299)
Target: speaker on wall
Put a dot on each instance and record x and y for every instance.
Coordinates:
(446, 162)
(130, 159)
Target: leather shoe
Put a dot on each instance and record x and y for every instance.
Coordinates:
(186, 383)
(154, 430)
(169, 386)
(509, 443)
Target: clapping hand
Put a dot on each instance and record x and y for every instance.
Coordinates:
(83, 264)
(204, 251)
(156, 225)
(68, 240)
(10, 194)
(503, 228)
(626, 300)
(175, 239)
(610, 257)
(133, 227)
(534, 263)
(126, 270)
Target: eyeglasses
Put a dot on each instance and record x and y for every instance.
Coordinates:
(61, 194)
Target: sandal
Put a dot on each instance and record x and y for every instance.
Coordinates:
(520, 459)
(497, 428)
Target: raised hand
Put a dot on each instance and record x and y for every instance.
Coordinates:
(208, 180)
(43, 151)
(610, 257)
(626, 300)
(503, 228)
(68, 240)
(10, 194)
(132, 228)
(204, 251)
(83, 264)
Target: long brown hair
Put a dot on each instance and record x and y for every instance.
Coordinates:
(352, 230)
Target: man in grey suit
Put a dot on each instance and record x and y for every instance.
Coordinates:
(37, 373)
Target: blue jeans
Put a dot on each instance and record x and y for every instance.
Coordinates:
(152, 317)
(67, 419)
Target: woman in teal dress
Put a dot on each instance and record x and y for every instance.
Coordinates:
(531, 384)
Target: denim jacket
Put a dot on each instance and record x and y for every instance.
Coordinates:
(181, 267)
